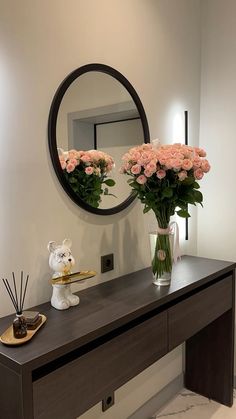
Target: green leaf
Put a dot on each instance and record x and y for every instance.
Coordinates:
(188, 181)
(97, 193)
(135, 185)
(146, 209)
(109, 182)
(167, 193)
(183, 213)
(196, 185)
(72, 179)
(198, 196)
(189, 198)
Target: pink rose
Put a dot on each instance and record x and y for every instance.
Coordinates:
(70, 167)
(73, 161)
(152, 166)
(141, 179)
(127, 166)
(80, 153)
(148, 173)
(162, 161)
(89, 170)
(135, 155)
(198, 174)
(176, 163)
(200, 152)
(187, 164)
(187, 153)
(182, 175)
(197, 162)
(146, 146)
(85, 158)
(161, 174)
(109, 167)
(178, 155)
(144, 159)
(72, 154)
(136, 169)
(205, 166)
(168, 164)
(126, 157)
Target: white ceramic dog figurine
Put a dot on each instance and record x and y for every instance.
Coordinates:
(61, 261)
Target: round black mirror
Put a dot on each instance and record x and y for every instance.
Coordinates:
(95, 108)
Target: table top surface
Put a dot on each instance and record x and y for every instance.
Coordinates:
(105, 307)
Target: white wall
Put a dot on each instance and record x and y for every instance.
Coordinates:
(216, 222)
(156, 45)
(217, 132)
(89, 91)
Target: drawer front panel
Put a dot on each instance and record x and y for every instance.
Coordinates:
(191, 315)
(72, 389)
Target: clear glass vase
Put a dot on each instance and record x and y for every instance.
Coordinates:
(161, 243)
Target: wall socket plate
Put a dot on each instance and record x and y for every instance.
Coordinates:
(107, 263)
(108, 402)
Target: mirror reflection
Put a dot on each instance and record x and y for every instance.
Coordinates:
(97, 113)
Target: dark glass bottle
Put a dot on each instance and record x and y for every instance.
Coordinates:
(19, 327)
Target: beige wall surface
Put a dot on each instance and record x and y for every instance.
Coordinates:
(216, 224)
(156, 45)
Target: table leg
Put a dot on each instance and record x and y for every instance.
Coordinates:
(210, 360)
(16, 400)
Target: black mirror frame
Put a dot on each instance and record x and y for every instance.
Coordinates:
(52, 121)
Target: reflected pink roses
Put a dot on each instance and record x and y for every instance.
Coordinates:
(86, 173)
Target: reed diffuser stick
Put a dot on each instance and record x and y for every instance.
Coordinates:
(17, 303)
(10, 295)
(25, 291)
(11, 292)
(21, 281)
(14, 281)
(19, 323)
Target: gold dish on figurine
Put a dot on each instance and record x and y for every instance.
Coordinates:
(73, 277)
(8, 338)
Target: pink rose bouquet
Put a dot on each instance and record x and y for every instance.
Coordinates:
(165, 179)
(87, 172)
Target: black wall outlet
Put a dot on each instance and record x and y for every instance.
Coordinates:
(107, 263)
(108, 402)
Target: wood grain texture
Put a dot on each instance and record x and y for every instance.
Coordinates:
(209, 360)
(109, 337)
(191, 315)
(11, 404)
(15, 395)
(105, 307)
(72, 389)
(8, 336)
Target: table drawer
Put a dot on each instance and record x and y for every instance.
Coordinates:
(73, 388)
(194, 313)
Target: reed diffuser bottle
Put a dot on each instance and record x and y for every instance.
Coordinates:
(19, 323)
(19, 327)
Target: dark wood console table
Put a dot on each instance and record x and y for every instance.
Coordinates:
(120, 328)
